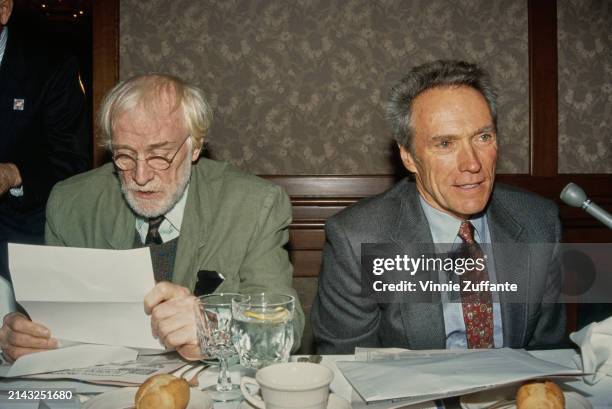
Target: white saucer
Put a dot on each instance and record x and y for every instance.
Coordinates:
(124, 398)
(488, 398)
(334, 402)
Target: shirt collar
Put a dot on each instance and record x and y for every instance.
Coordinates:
(172, 220)
(175, 215)
(444, 227)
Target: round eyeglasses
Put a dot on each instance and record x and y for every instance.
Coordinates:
(123, 161)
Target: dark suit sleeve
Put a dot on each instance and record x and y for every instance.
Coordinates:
(550, 327)
(341, 318)
(64, 145)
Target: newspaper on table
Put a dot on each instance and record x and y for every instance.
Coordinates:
(128, 373)
(396, 378)
(74, 356)
(384, 354)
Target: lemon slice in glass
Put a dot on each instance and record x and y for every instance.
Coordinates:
(278, 314)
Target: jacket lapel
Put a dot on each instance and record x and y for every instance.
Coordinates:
(510, 267)
(120, 232)
(423, 322)
(194, 227)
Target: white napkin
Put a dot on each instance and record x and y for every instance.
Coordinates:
(595, 342)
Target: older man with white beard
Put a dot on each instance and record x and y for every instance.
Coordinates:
(209, 226)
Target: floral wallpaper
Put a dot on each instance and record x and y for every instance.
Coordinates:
(585, 86)
(300, 86)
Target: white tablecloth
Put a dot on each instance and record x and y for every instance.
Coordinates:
(599, 395)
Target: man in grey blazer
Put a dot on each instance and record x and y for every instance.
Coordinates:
(443, 116)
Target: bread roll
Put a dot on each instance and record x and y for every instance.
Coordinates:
(163, 392)
(540, 395)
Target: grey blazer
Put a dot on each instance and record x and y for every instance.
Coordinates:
(343, 319)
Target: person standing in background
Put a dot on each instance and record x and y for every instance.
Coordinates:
(44, 135)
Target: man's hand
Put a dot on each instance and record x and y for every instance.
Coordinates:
(9, 177)
(171, 308)
(20, 336)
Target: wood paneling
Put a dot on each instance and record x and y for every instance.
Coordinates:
(306, 263)
(542, 16)
(311, 238)
(105, 61)
(319, 187)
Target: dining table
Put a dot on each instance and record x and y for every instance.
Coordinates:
(202, 375)
(598, 395)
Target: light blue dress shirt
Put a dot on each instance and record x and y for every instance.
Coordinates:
(444, 229)
(170, 227)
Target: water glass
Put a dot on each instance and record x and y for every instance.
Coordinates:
(263, 328)
(214, 328)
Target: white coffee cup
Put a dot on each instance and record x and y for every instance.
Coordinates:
(292, 385)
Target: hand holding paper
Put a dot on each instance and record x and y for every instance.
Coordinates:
(172, 318)
(20, 336)
(86, 295)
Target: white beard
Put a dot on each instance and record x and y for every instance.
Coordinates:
(155, 208)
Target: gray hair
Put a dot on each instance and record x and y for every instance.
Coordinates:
(440, 73)
(150, 89)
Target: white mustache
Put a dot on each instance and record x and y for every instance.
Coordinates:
(150, 187)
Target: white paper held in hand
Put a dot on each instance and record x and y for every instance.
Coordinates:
(86, 295)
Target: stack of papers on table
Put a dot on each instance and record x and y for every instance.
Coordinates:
(77, 356)
(420, 376)
(123, 373)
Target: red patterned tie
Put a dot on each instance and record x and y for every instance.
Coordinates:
(477, 306)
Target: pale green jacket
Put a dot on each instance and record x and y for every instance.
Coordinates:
(234, 224)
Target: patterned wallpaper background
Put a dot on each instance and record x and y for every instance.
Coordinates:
(300, 86)
(585, 86)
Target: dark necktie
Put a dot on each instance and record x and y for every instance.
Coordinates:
(477, 306)
(153, 236)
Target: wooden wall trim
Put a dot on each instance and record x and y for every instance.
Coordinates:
(542, 15)
(340, 186)
(105, 15)
(340, 189)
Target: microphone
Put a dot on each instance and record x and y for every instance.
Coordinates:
(574, 196)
